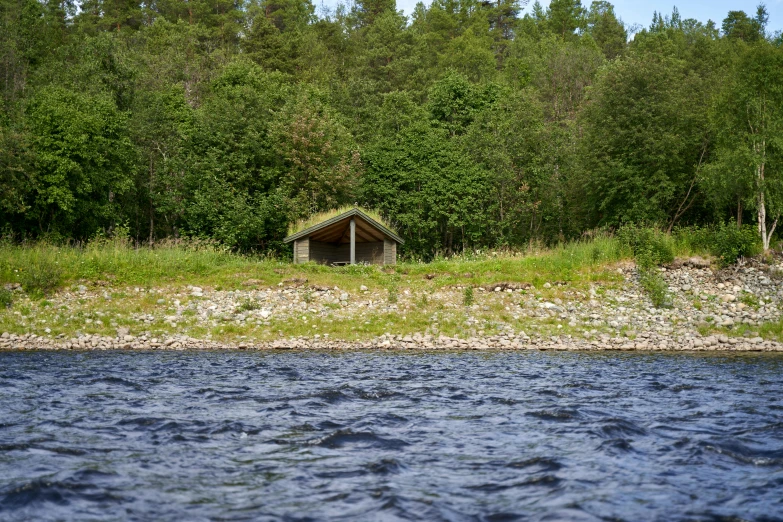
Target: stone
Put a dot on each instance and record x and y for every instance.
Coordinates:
(363, 288)
(81, 289)
(547, 285)
(728, 298)
(698, 262)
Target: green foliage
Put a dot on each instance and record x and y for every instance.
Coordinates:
(467, 296)
(393, 293)
(6, 298)
(747, 120)
(649, 245)
(41, 275)
(248, 305)
(651, 248)
(84, 160)
(469, 127)
(733, 242)
(644, 138)
(653, 283)
(695, 239)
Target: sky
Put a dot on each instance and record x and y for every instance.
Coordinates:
(641, 12)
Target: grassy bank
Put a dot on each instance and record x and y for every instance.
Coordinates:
(108, 287)
(42, 268)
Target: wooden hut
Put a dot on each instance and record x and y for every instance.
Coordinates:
(350, 237)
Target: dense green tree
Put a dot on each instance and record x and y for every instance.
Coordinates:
(607, 31)
(318, 162)
(644, 137)
(565, 17)
(84, 162)
(454, 101)
(471, 123)
(230, 159)
(739, 26)
(509, 141)
(748, 122)
(429, 188)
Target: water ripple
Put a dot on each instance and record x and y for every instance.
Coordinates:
(369, 436)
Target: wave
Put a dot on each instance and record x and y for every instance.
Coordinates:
(345, 437)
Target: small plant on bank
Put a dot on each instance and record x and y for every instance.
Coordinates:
(467, 296)
(41, 277)
(248, 305)
(749, 300)
(732, 242)
(652, 282)
(393, 293)
(6, 298)
(647, 242)
(651, 248)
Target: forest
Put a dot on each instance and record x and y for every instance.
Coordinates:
(468, 125)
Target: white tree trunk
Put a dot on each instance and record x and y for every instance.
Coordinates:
(766, 235)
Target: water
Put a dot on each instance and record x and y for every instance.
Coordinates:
(369, 436)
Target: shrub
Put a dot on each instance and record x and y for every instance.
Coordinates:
(695, 239)
(655, 286)
(6, 298)
(732, 242)
(393, 294)
(248, 305)
(467, 297)
(40, 277)
(647, 244)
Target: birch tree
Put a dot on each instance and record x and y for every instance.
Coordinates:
(748, 122)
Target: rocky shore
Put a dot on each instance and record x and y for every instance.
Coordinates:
(710, 309)
(391, 342)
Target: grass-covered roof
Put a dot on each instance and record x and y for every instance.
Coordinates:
(295, 229)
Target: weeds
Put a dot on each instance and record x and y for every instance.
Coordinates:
(248, 305)
(649, 243)
(655, 286)
(750, 300)
(6, 298)
(41, 277)
(467, 296)
(732, 242)
(393, 293)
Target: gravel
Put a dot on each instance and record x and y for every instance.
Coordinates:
(611, 317)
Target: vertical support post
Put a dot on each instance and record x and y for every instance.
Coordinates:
(353, 242)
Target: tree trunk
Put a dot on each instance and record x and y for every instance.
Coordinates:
(766, 235)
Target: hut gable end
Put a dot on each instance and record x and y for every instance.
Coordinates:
(350, 237)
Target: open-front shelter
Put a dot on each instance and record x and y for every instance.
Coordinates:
(349, 238)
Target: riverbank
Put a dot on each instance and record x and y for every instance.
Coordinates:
(584, 297)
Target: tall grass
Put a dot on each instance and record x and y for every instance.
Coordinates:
(43, 267)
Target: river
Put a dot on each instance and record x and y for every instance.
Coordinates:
(390, 436)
